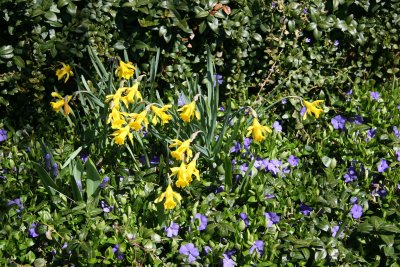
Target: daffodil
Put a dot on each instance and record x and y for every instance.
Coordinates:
(170, 198)
(312, 107)
(160, 113)
(188, 111)
(121, 134)
(191, 170)
(138, 119)
(62, 102)
(116, 97)
(125, 70)
(258, 131)
(183, 151)
(182, 175)
(64, 71)
(131, 94)
(116, 119)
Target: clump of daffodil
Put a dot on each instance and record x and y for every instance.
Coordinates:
(312, 107)
(257, 130)
(170, 198)
(125, 70)
(61, 103)
(137, 119)
(127, 95)
(160, 114)
(65, 70)
(183, 152)
(189, 111)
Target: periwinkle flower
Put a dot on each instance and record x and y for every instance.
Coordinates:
(338, 122)
(245, 218)
(227, 261)
(105, 207)
(334, 231)
(104, 182)
(303, 111)
(277, 127)
(371, 133)
(172, 230)
(120, 255)
(203, 221)
(383, 166)
(336, 43)
(207, 249)
(396, 131)
(357, 119)
(272, 218)
(3, 135)
(375, 95)
(244, 167)
(293, 161)
(351, 174)
(181, 100)
(33, 231)
(308, 40)
(304, 209)
(189, 250)
(17, 202)
(356, 211)
(217, 79)
(246, 143)
(258, 247)
(353, 200)
(397, 152)
(236, 147)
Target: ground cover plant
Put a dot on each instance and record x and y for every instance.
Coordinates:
(125, 178)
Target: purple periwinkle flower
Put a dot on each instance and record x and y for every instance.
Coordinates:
(308, 40)
(17, 202)
(383, 166)
(120, 255)
(396, 131)
(258, 163)
(258, 247)
(172, 230)
(273, 165)
(104, 182)
(397, 152)
(227, 261)
(303, 111)
(79, 184)
(304, 209)
(32, 230)
(338, 122)
(269, 196)
(356, 211)
(84, 157)
(222, 108)
(244, 167)
(284, 101)
(246, 143)
(189, 250)
(293, 161)
(375, 95)
(351, 174)
(334, 231)
(105, 207)
(203, 221)
(353, 200)
(181, 100)
(245, 218)
(217, 79)
(272, 218)
(277, 127)
(357, 119)
(305, 11)
(336, 43)
(207, 249)
(236, 147)
(3, 135)
(371, 133)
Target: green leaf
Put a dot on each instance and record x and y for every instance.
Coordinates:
(71, 157)
(77, 174)
(50, 16)
(213, 24)
(19, 61)
(93, 180)
(47, 181)
(228, 172)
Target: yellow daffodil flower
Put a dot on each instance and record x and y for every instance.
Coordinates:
(312, 108)
(181, 173)
(116, 97)
(258, 131)
(170, 197)
(160, 113)
(138, 119)
(125, 70)
(188, 111)
(66, 71)
(191, 170)
(62, 102)
(120, 135)
(183, 148)
(116, 119)
(131, 94)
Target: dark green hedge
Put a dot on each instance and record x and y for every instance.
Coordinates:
(300, 45)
